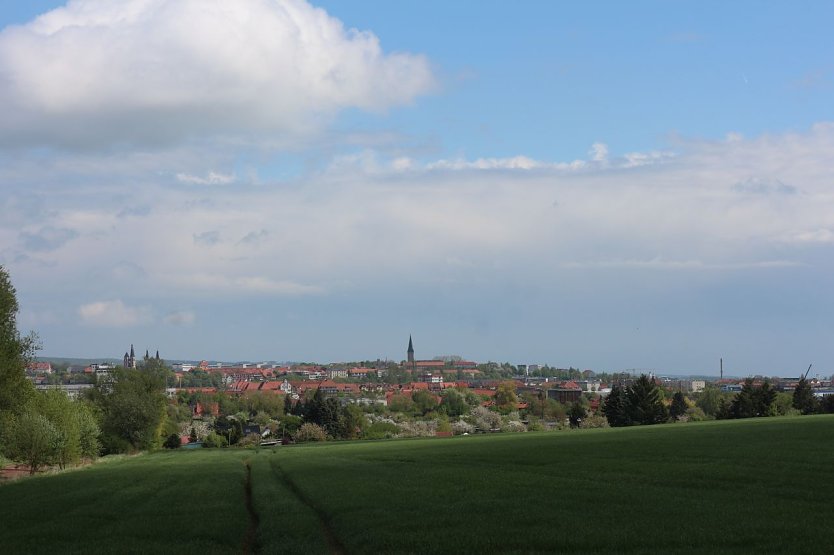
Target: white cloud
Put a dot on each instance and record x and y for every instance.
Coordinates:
(212, 178)
(97, 73)
(113, 314)
(363, 229)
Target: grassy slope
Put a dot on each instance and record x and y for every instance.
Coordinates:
(747, 486)
(189, 501)
(750, 486)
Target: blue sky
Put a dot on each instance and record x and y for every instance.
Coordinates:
(605, 185)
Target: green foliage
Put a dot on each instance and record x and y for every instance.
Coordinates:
(133, 409)
(453, 402)
(644, 402)
(380, 430)
(33, 440)
(172, 442)
(351, 422)
(576, 415)
(215, 440)
(505, 397)
(614, 408)
(803, 397)
(709, 400)
(424, 402)
(15, 352)
(401, 403)
(753, 401)
(679, 406)
(310, 432)
(192, 437)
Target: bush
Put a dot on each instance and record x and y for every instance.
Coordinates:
(594, 421)
(514, 426)
(215, 440)
(310, 432)
(172, 442)
(462, 427)
(380, 430)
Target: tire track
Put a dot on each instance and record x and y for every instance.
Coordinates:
(250, 539)
(333, 542)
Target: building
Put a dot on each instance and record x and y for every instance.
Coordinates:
(129, 360)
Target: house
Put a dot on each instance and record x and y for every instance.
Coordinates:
(565, 393)
(39, 368)
(360, 373)
(334, 373)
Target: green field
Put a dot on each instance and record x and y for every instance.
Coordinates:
(753, 486)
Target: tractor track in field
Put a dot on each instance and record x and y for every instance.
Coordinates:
(333, 542)
(250, 539)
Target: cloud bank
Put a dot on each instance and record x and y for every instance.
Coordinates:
(97, 73)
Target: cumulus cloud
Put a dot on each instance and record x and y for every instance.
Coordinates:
(96, 73)
(113, 313)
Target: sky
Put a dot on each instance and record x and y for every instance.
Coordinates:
(604, 185)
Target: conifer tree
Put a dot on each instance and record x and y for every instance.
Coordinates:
(803, 398)
(679, 405)
(645, 402)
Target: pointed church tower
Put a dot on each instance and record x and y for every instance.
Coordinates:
(157, 354)
(410, 351)
(131, 361)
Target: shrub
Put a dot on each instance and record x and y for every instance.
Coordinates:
(485, 419)
(594, 421)
(172, 442)
(310, 432)
(514, 426)
(462, 427)
(380, 430)
(215, 440)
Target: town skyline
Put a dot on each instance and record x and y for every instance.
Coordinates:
(611, 186)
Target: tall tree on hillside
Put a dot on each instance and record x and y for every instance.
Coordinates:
(133, 409)
(645, 402)
(15, 353)
(615, 409)
(803, 397)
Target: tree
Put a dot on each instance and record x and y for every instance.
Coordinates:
(133, 410)
(351, 422)
(172, 442)
(453, 402)
(645, 402)
(33, 440)
(505, 397)
(287, 404)
(192, 437)
(709, 400)
(679, 406)
(15, 353)
(615, 409)
(576, 415)
(803, 397)
(753, 401)
(424, 402)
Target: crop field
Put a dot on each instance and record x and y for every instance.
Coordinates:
(751, 486)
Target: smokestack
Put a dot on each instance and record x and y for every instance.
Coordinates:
(722, 367)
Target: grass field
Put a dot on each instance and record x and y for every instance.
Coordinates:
(753, 486)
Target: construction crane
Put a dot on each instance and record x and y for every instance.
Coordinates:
(808, 370)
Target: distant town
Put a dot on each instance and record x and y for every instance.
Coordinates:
(378, 381)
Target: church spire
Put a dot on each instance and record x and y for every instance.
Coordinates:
(410, 350)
